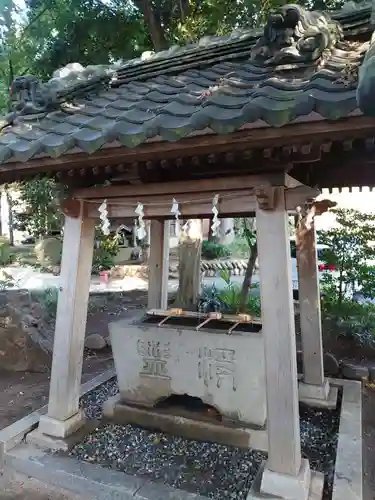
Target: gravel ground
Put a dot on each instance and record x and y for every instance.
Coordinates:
(209, 469)
(93, 401)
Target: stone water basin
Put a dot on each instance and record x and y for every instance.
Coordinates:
(157, 356)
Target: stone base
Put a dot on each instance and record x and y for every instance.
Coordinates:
(40, 440)
(318, 396)
(314, 488)
(286, 486)
(61, 428)
(55, 443)
(313, 391)
(187, 425)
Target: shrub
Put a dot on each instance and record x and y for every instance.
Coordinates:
(212, 250)
(228, 299)
(5, 251)
(108, 247)
(47, 298)
(48, 252)
(350, 320)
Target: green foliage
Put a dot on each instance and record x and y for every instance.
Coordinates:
(48, 252)
(107, 249)
(245, 229)
(88, 32)
(39, 212)
(5, 251)
(47, 298)
(228, 299)
(352, 252)
(239, 248)
(52, 33)
(349, 320)
(212, 250)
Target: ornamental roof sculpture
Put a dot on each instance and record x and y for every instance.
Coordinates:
(292, 34)
(301, 63)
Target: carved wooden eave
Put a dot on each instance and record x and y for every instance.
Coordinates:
(291, 144)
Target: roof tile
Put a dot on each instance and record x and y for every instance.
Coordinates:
(221, 83)
(89, 140)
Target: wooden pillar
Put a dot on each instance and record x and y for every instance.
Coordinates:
(284, 445)
(134, 234)
(314, 385)
(309, 304)
(158, 265)
(64, 416)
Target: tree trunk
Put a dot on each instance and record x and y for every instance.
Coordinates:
(189, 267)
(152, 20)
(248, 276)
(226, 231)
(10, 215)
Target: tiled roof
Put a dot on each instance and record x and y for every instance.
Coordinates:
(221, 83)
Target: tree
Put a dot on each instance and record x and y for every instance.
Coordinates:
(351, 253)
(40, 214)
(247, 229)
(189, 266)
(84, 31)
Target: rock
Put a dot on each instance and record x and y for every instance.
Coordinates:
(109, 342)
(25, 339)
(56, 270)
(299, 362)
(48, 251)
(354, 372)
(95, 342)
(331, 365)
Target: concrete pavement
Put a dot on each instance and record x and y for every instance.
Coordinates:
(28, 278)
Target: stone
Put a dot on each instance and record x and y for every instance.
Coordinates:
(352, 371)
(61, 429)
(225, 371)
(108, 340)
(48, 251)
(331, 365)
(56, 270)
(95, 342)
(26, 340)
(286, 486)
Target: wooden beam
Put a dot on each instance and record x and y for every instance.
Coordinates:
(297, 196)
(160, 207)
(198, 206)
(174, 188)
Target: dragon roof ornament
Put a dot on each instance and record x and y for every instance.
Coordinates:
(366, 82)
(29, 96)
(293, 34)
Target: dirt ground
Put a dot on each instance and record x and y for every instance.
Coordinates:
(23, 392)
